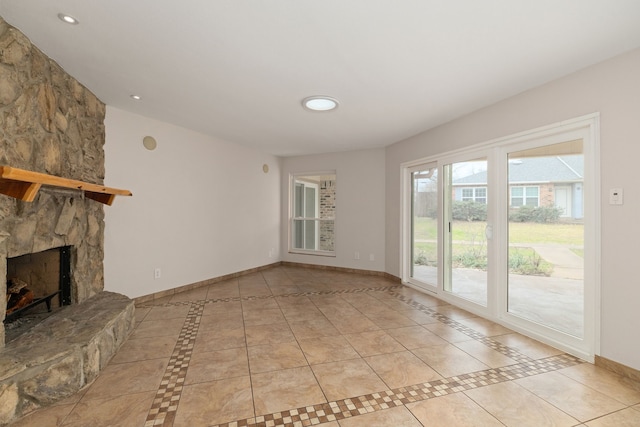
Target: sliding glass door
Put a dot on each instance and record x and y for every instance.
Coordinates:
(508, 231)
(545, 189)
(424, 225)
(465, 201)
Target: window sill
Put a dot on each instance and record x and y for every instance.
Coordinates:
(316, 253)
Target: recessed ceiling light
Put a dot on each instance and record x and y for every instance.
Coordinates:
(136, 97)
(320, 103)
(68, 19)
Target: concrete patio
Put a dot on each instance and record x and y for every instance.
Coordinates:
(556, 301)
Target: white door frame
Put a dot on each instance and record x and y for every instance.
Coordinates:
(407, 182)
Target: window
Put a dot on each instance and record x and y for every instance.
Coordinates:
(475, 194)
(313, 209)
(525, 196)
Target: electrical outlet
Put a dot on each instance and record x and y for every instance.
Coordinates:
(356, 255)
(372, 257)
(157, 273)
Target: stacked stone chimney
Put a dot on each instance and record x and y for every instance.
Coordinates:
(50, 123)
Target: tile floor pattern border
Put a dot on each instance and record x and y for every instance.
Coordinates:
(354, 406)
(493, 344)
(149, 304)
(165, 404)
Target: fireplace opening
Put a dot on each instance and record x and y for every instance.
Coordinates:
(37, 285)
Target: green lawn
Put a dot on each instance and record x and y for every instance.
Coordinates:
(425, 228)
(473, 253)
(521, 260)
(519, 232)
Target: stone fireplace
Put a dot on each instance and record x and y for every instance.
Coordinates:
(51, 124)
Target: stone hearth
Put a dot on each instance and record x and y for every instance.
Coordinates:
(62, 354)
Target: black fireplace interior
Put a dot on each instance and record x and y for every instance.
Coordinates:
(38, 282)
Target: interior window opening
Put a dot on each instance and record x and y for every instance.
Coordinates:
(313, 202)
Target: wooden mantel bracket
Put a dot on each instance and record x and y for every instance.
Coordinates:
(24, 185)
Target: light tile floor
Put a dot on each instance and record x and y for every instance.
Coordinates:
(298, 347)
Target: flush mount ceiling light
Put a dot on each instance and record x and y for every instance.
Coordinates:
(320, 103)
(68, 19)
(136, 97)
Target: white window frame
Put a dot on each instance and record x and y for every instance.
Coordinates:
(474, 198)
(293, 179)
(524, 196)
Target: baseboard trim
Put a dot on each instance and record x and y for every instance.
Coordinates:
(191, 286)
(195, 285)
(342, 269)
(618, 368)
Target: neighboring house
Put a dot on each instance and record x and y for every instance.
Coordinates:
(534, 181)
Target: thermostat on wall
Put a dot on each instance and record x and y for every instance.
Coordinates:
(616, 196)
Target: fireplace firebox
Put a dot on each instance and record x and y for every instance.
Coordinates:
(38, 283)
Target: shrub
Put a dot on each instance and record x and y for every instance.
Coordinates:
(470, 259)
(540, 214)
(528, 262)
(469, 211)
(421, 258)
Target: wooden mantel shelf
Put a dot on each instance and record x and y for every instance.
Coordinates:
(24, 185)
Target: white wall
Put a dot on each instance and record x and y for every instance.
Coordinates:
(201, 207)
(360, 195)
(191, 214)
(611, 88)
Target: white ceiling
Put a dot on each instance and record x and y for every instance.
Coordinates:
(238, 69)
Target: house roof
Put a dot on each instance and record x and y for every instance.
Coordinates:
(531, 170)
